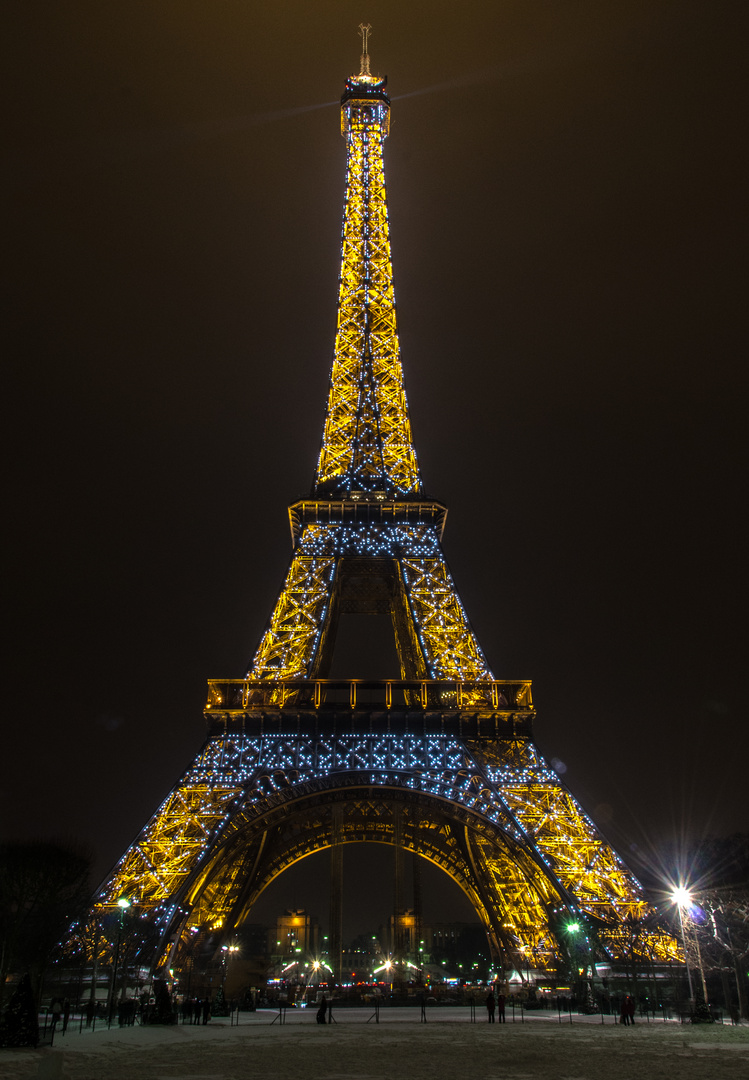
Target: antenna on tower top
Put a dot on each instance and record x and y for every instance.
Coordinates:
(364, 35)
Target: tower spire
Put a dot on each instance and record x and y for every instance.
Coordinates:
(364, 32)
(367, 446)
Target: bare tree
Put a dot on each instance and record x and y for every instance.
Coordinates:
(43, 888)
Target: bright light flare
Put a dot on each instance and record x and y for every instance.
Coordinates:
(387, 966)
(681, 896)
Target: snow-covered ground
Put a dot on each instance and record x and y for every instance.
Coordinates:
(447, 1046)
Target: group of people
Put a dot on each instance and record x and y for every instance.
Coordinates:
(61, 1010)
(497, 1004)
(194, 1010)
(126, 1011)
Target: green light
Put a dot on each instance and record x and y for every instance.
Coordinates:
(573, 927)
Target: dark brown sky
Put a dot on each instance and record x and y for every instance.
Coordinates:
(567, 186)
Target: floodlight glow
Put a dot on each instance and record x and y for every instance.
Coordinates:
(681, 896)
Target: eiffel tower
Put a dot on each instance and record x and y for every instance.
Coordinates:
(441, 762)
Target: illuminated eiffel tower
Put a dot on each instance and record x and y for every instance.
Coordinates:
(440, 762)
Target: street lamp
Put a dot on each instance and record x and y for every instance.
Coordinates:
(573, 929)
(386, 966)
(682, 898)
(228, 951)
(123, 904)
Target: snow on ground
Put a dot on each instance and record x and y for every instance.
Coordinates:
(447, 1046)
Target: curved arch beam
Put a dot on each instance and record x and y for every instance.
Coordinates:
(510, 893)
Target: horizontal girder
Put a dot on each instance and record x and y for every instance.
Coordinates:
(447, 701)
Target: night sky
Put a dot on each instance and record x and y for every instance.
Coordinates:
(567, 192)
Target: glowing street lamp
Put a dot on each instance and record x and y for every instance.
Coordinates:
(387, 967)
(682, 898)
(573, 929)
(123, 904)
(228, 951)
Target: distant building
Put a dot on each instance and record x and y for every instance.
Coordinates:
(403, 935)
(292, 944)
(295, 932)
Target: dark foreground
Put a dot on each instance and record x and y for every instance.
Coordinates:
(352, 1049)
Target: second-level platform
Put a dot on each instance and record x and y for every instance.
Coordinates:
(497, 708)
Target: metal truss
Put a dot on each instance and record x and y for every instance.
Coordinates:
(412, 556)
(290, 644)
(166, 852)
(451, 650)
(367, 442)
(563, 833)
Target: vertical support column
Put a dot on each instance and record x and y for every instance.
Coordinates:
(335, 941)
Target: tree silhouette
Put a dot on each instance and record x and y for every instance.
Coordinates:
(43, 888)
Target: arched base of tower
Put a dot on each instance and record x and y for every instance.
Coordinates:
(524, 914)
(470, 795)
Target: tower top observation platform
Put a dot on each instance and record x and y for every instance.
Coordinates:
(364, 102)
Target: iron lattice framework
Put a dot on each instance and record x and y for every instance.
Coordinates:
(440, 762)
